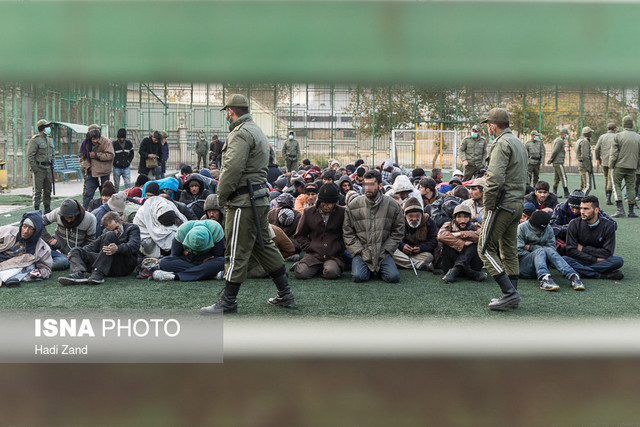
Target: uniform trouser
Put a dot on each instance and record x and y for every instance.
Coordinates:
(629, 177)
(202, 157)
(329, 269)
(241, 243)
(91, 184)
(126, 177)
(388, 270)
(42, 185)
(470, 172)
(402, 260)
(292, 165)
(535, 265)
(594, 270)
(465, 259)
(559, 176)
(585, 180)
(82, 260)
(534, 172)
(608, 178)
(503, 238)
(187, 272)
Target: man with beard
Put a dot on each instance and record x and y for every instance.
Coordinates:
(420, 238)
(476, 202)
(74, 228)
(373, 229)
(460, 247)
(591, 242)
(563, 213)
(319, 234)
(114, 254)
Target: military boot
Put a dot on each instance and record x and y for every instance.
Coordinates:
(226, 304)
(620, 212)
(510, 297)
(36, 207)
(609, 202)
(631, 213)
(47, 209)
(285, 297)
(566, 192)
(514, 282)
(555, 191)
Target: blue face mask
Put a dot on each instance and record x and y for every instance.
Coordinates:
(537, 138)
(492, 138)
(474, 134)
(47, 131)
(566, 137)
(290, 137)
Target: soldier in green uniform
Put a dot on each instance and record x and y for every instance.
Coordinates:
(603, 149)
(40, 154)
(557, 160)
(291, 153)
(202, 150)
(583, 155)
(624, 161)
(472, 153)
(535, 150)
(245, 156)
(506, 179)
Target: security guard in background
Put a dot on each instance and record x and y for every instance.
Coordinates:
(245, 156)
(40, 154)
(557, 160)
(624, 161)
(603, 149)
(472, 153)
(506, 180)
(583, 155)
(291, 153)
(535, 149)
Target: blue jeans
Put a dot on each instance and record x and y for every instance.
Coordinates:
(126, 176)
(535, 264)
(60, 260)
(361, 273)
(92, 184)
(594, 270)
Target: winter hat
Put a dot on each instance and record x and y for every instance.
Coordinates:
(330, 174)
(286, 216)
(168, 218)
(198, 238)
(627, 122)
(27, 221)
(281, 182)
(402, 183)
(328, 193)
(153, 188)
(117, 201)
(142, 180)
(285, 200)
(360, 172)
(528, 208)
(457, 172)
(310, 188)
(69, 208)
(122, 133)
(540, 219)
(135, 192)
(205, 172)
(412, 205)
(455, 180)
(575, 198)
(108, 189)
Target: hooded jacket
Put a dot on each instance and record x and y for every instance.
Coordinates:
(321, 242)
(37, 251)
(199, 237)
(562, 216)
(164, 184)
(68, 236)
(186, 197)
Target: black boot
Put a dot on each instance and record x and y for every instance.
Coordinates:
(609, 202)
(226, 304)
(285, 297)
(566, 192)
(555, 191)
(514, 281)
(36, 207)
(631, 213)
(47, 209)
(510, 297)
(620, 212)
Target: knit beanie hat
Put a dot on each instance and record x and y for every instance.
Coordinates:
(108, 189)
(575, 198)
(528, 208)
(122, 133)
(281, 182)
(153, 188)
(540, 219)
(117, 202)
(69, 208)
(328, 193)
(412, 205)
(310, 188)
(286, 216)
(198, 238)
(135, 192)
(285, 200)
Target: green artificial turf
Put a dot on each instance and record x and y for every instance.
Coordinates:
(426, 296)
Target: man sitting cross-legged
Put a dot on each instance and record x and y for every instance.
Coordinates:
(420, 238)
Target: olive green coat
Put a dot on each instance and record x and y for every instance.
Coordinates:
(625, 150)
(474, 151)
(507, 169)
(536, 152)
(291, 150)
(583, 154)
(557, 152)
(603, 147)
(40, 149)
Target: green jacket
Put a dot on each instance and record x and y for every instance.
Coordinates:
(202, 147)
(557, 153)
(603, 147)
(291, 150)
(245, 155)
(474, 151)
(40, 149)
(583, 154)
(507, 169)
(625, 150)
(536, 152)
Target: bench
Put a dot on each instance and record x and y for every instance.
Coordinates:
(59, 167)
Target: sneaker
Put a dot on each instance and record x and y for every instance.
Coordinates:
(11, 283)
(294, 266)
(220, 275)
(450, 277)
(576, 283)
(163, 276)
(613, 275)
(77, 278)
(547, 283)
(284, 299)
(96, 278)
(222, 306)
(293, 258)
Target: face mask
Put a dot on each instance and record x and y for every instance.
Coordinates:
(47, 131)
(566, 137)
(474, 134)
(290, 137)
(490, 132)
(537, 138)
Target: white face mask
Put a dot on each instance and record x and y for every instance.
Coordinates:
(474, 135)
(290, 137)
(47, 131)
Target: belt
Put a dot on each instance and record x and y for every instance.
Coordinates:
(534, 158)
(44, 163)
(245, 190)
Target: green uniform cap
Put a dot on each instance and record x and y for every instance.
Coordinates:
(236, 100)
(535, 133)
(565, 130)
(42, 122)
(475, 128)
(497, 115)
(586, 130)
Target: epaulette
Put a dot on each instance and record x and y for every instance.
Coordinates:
(237, 128)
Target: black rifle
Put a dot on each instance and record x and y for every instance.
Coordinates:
(499, 208)
(53, 179)
(593, 178)
(255, 214)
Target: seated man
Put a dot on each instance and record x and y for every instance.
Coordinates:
(527, 210)
(158, 220)
(117, 204)
(194, 189)
(284, 244)
(212, 210)
(442, 209)
(475, 202)
(569, 210)
(459, 239)
(373, 229)
(427, 188)
(114, 254)
(74, 228)
(541, 198)
(420, 238)
(591, 242)
(537, 249)
(24, 256)
(307, 199)
(197, 253)
(319, 234)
